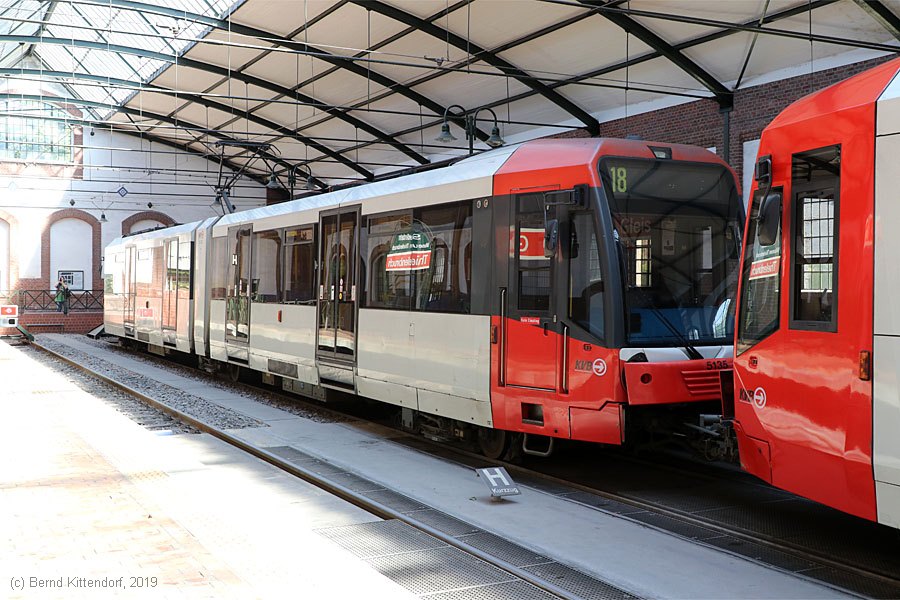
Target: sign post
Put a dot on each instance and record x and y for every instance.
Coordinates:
(499, 482)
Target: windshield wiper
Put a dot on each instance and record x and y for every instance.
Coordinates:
(689, 348)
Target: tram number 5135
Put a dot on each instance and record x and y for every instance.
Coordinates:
(716, 364)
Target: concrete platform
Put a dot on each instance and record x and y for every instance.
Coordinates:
(642, 560)
(89, 498)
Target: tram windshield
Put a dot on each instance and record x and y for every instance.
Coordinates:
(677, 229)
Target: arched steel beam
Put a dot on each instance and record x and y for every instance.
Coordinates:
(348, 63)
(884, 15)
(148, 115)
(249, 79)
(593, 126)
(199, 99)
(723, 95)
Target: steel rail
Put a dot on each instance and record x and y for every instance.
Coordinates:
(360, 500)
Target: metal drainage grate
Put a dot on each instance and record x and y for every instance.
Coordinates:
(380, 538)
(290, 454)
(398, 502)
(505, 550)
(576, 582)
(438, 570)
(443, 522)
(515, 590)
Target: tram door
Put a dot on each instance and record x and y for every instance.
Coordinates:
(237, 297)
(129, 289)
(170, 287)
(337, 284)
(531, 340)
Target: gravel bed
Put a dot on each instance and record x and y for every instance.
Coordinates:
(216, 416)
(146, 416)
(295, 405)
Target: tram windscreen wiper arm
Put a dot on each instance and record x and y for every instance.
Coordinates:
(689, 348)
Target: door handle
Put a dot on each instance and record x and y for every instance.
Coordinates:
(564, 387)
(502, 369)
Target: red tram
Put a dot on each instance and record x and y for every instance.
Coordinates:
(817, 398)
(575, 289)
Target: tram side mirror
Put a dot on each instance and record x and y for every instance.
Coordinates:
(551, 237)
(769, 220)
(763, 171)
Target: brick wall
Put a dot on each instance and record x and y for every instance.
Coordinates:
(700, 123)
(54, 322)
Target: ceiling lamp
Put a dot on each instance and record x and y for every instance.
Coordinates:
(273, 184)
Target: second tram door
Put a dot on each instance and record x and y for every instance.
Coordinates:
(170, 293)
(531, 341)
(129, 289)
(237, 297)
(339, 235)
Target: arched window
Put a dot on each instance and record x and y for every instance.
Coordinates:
(34, 131)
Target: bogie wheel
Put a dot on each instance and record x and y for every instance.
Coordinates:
(493, 443)
(233, 372)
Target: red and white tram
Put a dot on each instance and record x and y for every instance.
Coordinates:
(554, 289)
(817, 403)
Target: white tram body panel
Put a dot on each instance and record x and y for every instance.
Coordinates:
(150, 297)
(886, 344)
(402, 357)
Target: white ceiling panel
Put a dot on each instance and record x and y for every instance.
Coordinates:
(278, 16)
(395, 113)
(179, 77)
(470, 90)
(293, 116)
(227, 49)
(283, 68)
(349, 30)
(723, 58)
(488, 23)
(153, 102)
(578, 48)
(343, 89)
(418, 50)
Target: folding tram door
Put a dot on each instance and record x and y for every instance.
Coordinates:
(170, 292)
(337, 311)
(129, 289)
(237, 296)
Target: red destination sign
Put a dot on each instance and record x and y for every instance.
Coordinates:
(765, 268)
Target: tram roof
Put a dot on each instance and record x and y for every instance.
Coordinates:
(859, 90)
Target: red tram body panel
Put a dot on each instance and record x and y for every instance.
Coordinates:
(551, 377)
(803, 404)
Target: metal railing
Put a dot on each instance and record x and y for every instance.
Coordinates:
(37, 300)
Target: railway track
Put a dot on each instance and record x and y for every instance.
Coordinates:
(525, 584)
(863, 568)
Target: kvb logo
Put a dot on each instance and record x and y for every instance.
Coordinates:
(759, 397)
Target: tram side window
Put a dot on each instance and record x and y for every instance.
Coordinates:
(219, 268)
(445, 285)
(420, 259)
(585, 278)
(815, 184)
(265, 270)
(533, 267)
(300, 265)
